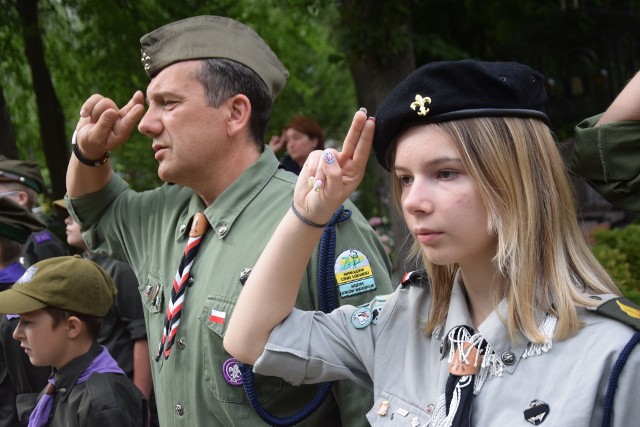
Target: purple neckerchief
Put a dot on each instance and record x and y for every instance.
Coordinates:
(11, 274)
(103, 364)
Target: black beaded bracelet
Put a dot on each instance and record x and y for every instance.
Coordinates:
(83, 159)
(305, 220)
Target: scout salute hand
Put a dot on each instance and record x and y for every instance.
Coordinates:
(103, 127)
(335, 176)
(329, 177)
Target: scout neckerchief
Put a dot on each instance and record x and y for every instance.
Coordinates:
(327, 302)
(104, 364)
(467, 350)
(199, 226)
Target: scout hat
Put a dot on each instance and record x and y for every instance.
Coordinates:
(452, 90)
(69, 283)
(60, 207)
(17, 223)
(202, 37)
(25, 172)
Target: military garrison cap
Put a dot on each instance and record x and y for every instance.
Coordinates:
(452, 90)
(69, 283)
(17, 223)
(25, 172)
(202, 37)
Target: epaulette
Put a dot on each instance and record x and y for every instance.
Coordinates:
(621, 309)
(416, 277)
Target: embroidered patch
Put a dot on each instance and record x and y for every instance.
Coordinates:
(361, 318)
(41, 237)
(217, 316)
(376, 307)
(231, 372)
(353, 273)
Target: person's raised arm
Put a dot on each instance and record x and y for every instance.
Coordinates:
(102, 127)
(326, 180)
(626, 106)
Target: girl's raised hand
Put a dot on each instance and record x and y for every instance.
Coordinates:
(329, 177)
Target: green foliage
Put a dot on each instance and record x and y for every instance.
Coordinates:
(93, 47)
(619, 252)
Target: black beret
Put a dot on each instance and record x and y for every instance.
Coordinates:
(452, 90)
(22, 171)
(201, 37)
(17, 223)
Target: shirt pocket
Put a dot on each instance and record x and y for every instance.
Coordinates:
(220, 369)
(390, 410)
(152, 293)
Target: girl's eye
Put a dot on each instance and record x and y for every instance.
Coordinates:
(447, 174)
(405, 180)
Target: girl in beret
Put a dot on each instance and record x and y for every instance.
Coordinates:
(502, 325)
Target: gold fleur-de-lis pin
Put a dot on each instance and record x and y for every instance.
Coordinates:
(420, 103)
(146, 61)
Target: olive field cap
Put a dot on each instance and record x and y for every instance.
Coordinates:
(452, 90)
(206, 36)
(16, 222)
(25, 172)
(60, 207)
(69, 283)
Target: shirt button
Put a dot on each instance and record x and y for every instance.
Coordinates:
(182, 228)
(222, 230)
(181, 344)
(62, 391)
(508, 358)
(179, 409)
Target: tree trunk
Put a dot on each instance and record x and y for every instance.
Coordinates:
(50, 114)
(8, 145)
(378, 42)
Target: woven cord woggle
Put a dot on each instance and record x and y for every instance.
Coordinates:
(199, 226)
(327, 302)
(453, 408)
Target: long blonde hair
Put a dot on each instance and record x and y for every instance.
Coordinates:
(542, 254)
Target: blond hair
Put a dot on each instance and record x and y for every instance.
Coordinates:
(542, 254)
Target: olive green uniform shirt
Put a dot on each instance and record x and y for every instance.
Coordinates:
(608, 158)
(150, 230)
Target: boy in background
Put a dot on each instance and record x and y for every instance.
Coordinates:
(61, 302)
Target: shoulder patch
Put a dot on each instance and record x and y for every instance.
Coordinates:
(41, 237)
(621, 309)
(416, 277)
(353, 273)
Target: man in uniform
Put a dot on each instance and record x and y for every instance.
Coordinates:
(20, 381)
(213, 82)
(22, 181)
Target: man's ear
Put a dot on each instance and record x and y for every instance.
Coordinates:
(239, 114)
(74, 327)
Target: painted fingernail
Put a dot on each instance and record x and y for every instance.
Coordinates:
(317, 186)
(364, 110)
(328, 156)
(311, 180)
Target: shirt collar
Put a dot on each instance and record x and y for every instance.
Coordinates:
(493, 328)
(227, 207)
